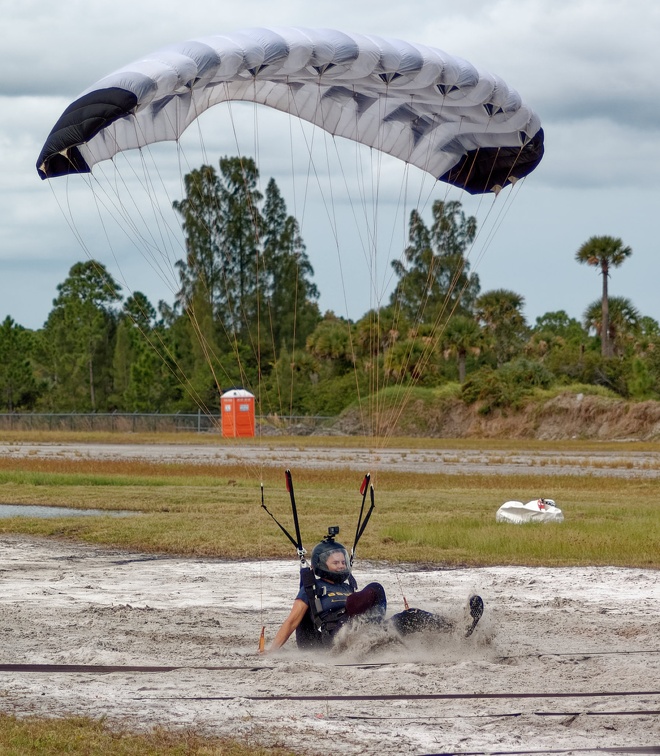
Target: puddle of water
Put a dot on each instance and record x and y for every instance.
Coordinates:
(21, 510)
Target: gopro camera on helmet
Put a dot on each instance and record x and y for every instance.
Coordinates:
(333, 530)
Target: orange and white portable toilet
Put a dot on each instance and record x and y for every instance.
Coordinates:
(237, 410)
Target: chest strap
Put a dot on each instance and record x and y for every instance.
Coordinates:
(325, 622)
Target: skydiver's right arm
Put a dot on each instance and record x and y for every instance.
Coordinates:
(298, 611)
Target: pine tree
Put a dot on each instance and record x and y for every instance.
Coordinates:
(434, 275)
(78, 338)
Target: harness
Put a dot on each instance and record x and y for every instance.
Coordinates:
(326, 622)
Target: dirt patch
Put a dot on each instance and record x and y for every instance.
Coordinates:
(578, 648)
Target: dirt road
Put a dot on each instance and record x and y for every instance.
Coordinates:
(487, 462)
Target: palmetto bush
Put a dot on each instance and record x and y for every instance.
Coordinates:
(507, 385)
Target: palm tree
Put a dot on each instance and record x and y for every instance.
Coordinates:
(500, 313)
(462, 336)
(623, 325)
(604, 252)
(409, 359)
(331, 340)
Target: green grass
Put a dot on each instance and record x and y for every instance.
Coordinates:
(597, 542)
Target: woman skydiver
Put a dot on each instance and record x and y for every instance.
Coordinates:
(326, 603)
(328, 599)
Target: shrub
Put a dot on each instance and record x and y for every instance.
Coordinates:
(507, 386)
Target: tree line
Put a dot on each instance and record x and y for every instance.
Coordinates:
(247, 314)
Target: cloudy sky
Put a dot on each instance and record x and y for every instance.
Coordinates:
(588, 67)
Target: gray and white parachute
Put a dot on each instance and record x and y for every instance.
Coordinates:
(428, 108)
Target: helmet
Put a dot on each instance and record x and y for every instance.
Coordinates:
(330, 561)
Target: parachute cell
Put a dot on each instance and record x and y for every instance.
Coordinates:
(417, 103)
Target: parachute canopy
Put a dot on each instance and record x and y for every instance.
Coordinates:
(417, 103)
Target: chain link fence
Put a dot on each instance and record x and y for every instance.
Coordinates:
(144, 422)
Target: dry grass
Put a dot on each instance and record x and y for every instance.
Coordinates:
(336, 442)
(80, 736)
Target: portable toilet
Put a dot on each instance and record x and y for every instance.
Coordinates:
(237, 410)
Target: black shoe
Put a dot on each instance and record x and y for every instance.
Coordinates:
(476, 612)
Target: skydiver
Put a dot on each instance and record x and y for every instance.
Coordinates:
(338, 600)
(332, 600)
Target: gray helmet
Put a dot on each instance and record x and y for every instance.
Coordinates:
(330, 561)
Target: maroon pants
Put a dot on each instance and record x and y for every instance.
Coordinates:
(371, 599)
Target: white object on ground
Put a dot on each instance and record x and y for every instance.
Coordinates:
(538, 510)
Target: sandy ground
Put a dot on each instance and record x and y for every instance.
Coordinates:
(586, 642)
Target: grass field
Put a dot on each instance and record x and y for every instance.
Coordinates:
(214, 510)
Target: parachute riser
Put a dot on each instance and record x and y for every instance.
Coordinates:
(363, 490)
(362, 524)
(294, 508)
(300, 549)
